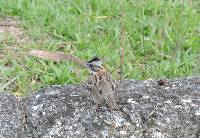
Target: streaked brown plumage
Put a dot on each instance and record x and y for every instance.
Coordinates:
(101, 84)
(102, 89)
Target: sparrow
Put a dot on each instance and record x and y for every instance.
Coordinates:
(102, 88)
(100, 84)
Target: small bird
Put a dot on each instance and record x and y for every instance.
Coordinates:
(100, 83)
(102, 88)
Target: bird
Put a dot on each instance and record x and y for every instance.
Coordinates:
(100, 84)
(102, 88)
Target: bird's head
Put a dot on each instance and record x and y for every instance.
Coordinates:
(95, 64)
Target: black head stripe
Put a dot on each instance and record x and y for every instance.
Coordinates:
(94, 59)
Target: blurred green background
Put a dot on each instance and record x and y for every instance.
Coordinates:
(162, 39)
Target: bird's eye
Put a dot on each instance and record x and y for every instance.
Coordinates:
(91, 66)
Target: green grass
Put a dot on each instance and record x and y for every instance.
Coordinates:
(162, 39)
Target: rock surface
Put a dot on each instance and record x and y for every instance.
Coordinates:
(168, 109)
(11, 117)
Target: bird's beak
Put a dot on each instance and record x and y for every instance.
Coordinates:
(87, 64)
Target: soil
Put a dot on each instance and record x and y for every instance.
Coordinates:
(10, 26)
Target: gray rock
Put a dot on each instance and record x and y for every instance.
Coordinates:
(11, 117)
(156, 110)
